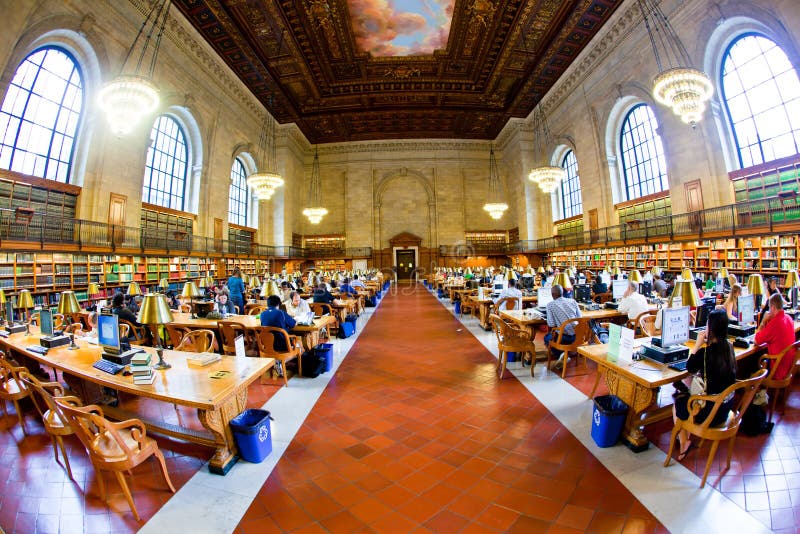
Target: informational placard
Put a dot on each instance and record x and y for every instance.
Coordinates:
(238, 345)
(626, 336)
(614, 333)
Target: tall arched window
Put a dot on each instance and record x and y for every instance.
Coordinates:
(239, 198)
(40, 115)
(571, 200)
(643, 164)
(165, 170)
(761, 92)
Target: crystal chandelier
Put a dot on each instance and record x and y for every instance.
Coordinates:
(315, 212)
(264, 184)
(677, 85)
(129, 97)
(495, 207)
(547, 177)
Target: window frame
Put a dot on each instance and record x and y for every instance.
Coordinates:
(243, 214)
(571, 209)
(152, 151)
(662, 180)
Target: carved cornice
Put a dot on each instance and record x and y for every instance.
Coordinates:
(406, 145)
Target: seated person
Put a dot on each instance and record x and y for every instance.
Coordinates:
(118, 308)
(510, 291)
(276, 317)
(777, 331)
(286, 291)
(659, 286)
(731, 305)
(321, 294)
(633, 303)
(296, 306)
(346, 289)
(560, 309)
(357, 283)
(598, 286)
(173, 301)
(772, 289)
(224, 305)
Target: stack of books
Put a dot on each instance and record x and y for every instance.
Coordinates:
(141, 369)
(201, 359)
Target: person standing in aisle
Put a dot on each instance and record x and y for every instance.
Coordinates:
(236, 288)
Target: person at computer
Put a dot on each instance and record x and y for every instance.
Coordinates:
(731, 305)
(347, 290)
(773, 289)
(296, 306)
(118, 308)
(777, 331)
(356, 283)
(633, 303)
(560, 309)
(599, 286)
(321, 294)
(512, 292)
(224, 305)
(274, 316)
(659, 286)
(713, 358)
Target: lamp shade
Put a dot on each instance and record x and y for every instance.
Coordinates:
(686, 290)
(2, 296)
(269, 288)
(511, 274)
(134, 289)
(635, 276)
(68, 303)
(655, 270)
(202, 282)
(792, 279)
(686, 274)
(755, 285)
(615, 271)
(163, 283)
(93, 289)
(155, 309)
(563, 280)
(190, 290)
(24, 300)
(540, 270)
(723, 272)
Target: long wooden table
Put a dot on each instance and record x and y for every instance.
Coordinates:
(527, 321)
(637, 383)
(217, 400)
(309, 334)
(484, 307)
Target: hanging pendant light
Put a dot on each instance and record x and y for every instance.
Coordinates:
(678, 85)
(547, 177)
(131, 96)
(264, 184)
(315, 212)
(496, 207)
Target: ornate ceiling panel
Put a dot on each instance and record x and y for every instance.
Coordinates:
(301, 60)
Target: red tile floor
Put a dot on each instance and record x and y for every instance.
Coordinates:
(414, 433)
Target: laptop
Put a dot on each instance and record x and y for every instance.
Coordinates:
(305, 319)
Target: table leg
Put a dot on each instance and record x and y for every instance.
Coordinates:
(638, 398)
(216, 421)
(484, 313)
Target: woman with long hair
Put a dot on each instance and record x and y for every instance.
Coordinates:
(731, 304)
(236, 288)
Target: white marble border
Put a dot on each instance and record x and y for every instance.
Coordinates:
(215, 504)
(671, 494)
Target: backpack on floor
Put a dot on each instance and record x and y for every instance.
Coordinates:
(313, 365)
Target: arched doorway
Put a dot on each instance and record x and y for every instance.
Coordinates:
(405, 255)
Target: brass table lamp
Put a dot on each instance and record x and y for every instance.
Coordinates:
(203, 282)
(25, 302)
(163, 284)
(635, 276)
(792, 283)
(686, 291)
(190, 291)
(563, 280)
(686, 274)
(155, 312)
(67, 305)
(92, 290)
(3, 304)
(134, 289)
(756, 287)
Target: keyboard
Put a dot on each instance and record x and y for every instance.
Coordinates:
(38, 349)
(108, 367)
(678, 365)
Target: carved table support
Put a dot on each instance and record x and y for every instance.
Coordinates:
(638, 398)
(216, 421)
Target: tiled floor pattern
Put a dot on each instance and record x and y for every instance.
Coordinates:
(415, 433)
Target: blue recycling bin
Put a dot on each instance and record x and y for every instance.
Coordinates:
(251, 431)
(457, 307)
(511, 357)
(440, 293)
(325, 350)
(608, 417)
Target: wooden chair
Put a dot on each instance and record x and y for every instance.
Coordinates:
(229, 331)
(186, 308)
(771, 363)
(124, 331)
(320, 309)
(56, 425)
(602, 298)
(647, 324)
(254, 309)
(692, 317)
(12, 388)
(511, 339)
(583, 335)
(745, 389)
(201, 340)
(265, 337)
(510, 303)
(115, 447)
(137, 335)
(633, 324)
(75, 329)
(175, 334)
(467, 304)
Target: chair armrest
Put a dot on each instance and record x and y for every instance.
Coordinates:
(138, 430)
(71, 400)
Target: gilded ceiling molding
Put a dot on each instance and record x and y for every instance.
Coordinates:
(404, 145)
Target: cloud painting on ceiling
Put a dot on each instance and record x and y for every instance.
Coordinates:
(401, 27)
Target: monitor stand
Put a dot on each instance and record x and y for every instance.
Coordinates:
(123, 358)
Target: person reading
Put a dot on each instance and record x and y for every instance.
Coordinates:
(633, 303)
(296, 306)
(224, 305)
(731, 305)
(777, 331)
(276, 317)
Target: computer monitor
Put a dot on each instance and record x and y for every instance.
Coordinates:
(46, 322)
(605, 278)
(674, 326)
(618, 288)
(497, 287)
(719, 285)
(9, 311)
(583, 293)
(543, 297)
(528, 282)
(108, 333)
(646, 288)
(549, 281)
(747, 309)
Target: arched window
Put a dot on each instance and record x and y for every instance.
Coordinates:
(165, 170)
(761, 92)
(643, 164)
(571, 200)
(239, 198)
(40, 115)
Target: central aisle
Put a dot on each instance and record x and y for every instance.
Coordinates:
(415, 430)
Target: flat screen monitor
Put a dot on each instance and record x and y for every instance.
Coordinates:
(618, 288)
(646, 288)
(108, 333)
(606, 278)
(497, 287)
(719, 285)
(674, 326)
(548, 281)
(543, 297)
(747, 309)
(10, 311)
(583, 293)
(528, 282)
(46, 322)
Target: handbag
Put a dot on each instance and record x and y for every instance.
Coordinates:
(698, 385)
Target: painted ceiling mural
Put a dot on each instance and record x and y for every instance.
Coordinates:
(401, 27)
